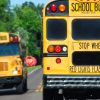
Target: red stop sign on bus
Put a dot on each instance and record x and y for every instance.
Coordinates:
(30, 61)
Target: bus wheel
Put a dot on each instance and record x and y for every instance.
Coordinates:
(58, 97)
(25, 85)
(48, 94)
(21, 88)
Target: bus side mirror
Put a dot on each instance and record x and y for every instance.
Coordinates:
(39, 43)
(38, 36)
(23, 55)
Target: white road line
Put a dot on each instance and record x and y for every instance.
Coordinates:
(34, 70)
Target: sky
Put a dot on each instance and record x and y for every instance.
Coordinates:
(14, 2)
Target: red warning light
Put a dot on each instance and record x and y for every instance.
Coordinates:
(58, 49)
(53, 8)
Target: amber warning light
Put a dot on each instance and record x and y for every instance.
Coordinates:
(62, 8)
(51, 49)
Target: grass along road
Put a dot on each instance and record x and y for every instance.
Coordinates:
(33, 68)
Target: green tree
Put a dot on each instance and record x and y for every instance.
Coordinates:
(6, 16)
(24, 20)
(28, 20)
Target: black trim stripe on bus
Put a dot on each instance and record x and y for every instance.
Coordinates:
(55, 55)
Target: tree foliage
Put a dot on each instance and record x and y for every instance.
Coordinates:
(6, 15)
(24, 20)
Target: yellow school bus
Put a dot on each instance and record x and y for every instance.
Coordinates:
(71, 47)
(13, 75)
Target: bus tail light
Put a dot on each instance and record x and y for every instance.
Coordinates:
(19, 71)
(15, 72)
(11, 39)
(14, 39)
(53, 8)
(58, 60)
(51, 49)
(58, 49)
(62, 8)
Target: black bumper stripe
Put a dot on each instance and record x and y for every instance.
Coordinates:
(54, 55)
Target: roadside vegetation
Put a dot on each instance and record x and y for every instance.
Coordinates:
(24, 20)
(33, 68)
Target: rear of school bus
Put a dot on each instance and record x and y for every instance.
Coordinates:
(13, 75)
(71, 47)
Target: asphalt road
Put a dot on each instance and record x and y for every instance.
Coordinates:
(34, 89)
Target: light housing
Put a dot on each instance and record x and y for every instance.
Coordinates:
(14, 39)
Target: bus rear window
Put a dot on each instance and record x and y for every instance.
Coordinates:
(86, 29)
(56, 29)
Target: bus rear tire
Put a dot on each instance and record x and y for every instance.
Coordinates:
(48, 94)
(52, 94)
(25, 85)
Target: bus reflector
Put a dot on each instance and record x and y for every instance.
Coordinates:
(51, 49)
(53, 8)
(58, 49)
(62, 8)
(58, 60)
(48, 68)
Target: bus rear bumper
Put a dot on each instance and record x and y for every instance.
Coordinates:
(71, 82)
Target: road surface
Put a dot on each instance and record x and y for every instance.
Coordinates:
(34, 89)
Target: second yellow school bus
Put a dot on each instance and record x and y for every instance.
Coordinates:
(13, 73)
(71, 47)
